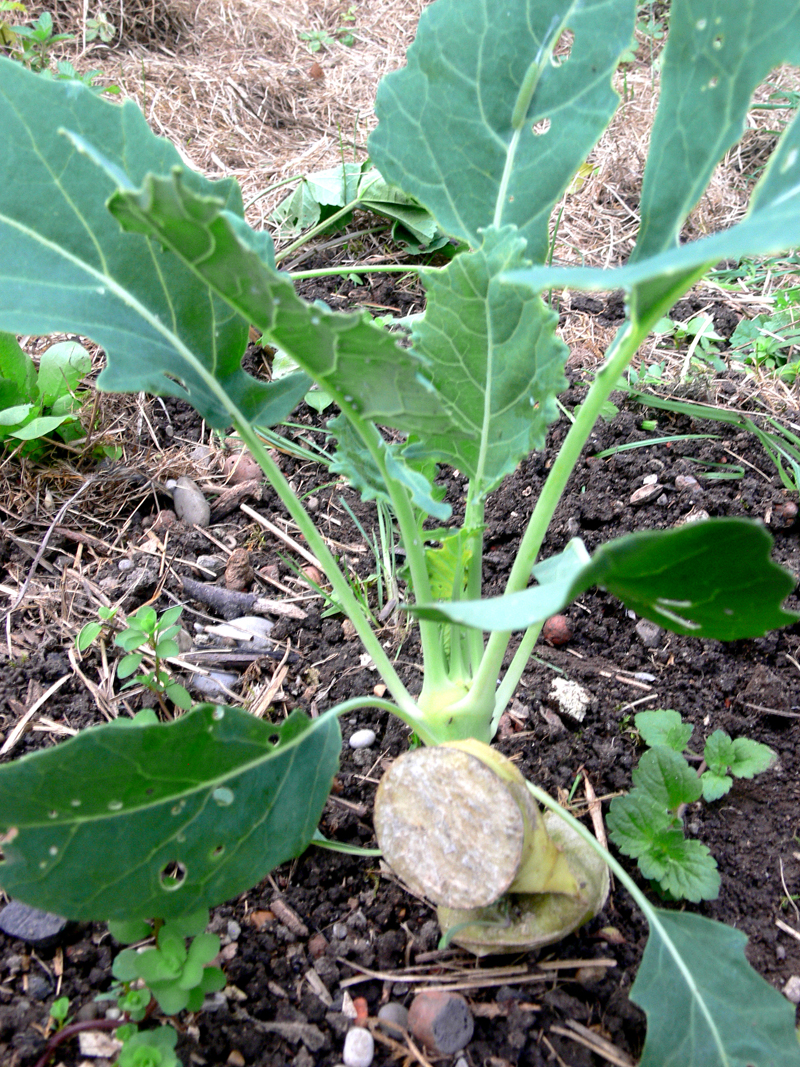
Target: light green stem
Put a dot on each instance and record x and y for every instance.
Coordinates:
(621, 352)
(312, 233)
(507, 687)
(341, 586)
(297, 275)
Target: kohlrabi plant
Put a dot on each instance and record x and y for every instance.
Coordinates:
(497, 109)
(647, 824)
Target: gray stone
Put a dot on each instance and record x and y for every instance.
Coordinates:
(644, 494)
(362, 739)
(191, 506)
(210, 685)
(649, 633)
(215, 564)
(40, 928)
(393, 1018)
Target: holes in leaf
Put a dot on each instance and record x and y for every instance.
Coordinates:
(148, 792)
(274, 739)
(52, 814)
(172, 876)
(223, 796)
(714, 82)
(53, 850)
(563, 48)
(178, 808)
(540, 127)
(216, 852)
(114, 805)
(218, 713)
(75, 802)
(717, 42)
(701, 24)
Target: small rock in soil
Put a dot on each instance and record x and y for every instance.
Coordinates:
(97, 1043)
(241, 467)
(125, 565)
(697, 514)
(250, 630)
(570, 698)
(441, 1020)
(191, 506)
(688, 481)
(557, 630)
(644, 494)
(215, 564)
(359, 1048)
(38, 987)
(649, 633)
(792, 989)
(317, 945)
(39, 928)
(362, 739)
(210, 685)
(239, 572)
(393, 1018)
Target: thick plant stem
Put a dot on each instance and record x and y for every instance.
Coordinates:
(621, 352)
(507, 687)
(341, 586)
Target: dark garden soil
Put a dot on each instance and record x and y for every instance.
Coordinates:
(329, 926)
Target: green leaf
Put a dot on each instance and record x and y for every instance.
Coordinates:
(663, 727)
(494, 359)
(705, 1005)
(684, 869)
(88, 635)
(129, 664)
(162, 329)
(167, 647)
(446, 131)
(711, 579)
(157, 1044)
(60, 370)
(333, 187)
(714, 785)
(128, 931)
(17, 366)
(91, 827)
(718, 752)
(667, 778)
(750, 758)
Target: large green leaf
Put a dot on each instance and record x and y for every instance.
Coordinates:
(705, 1005)
(494, 359)
(356, 361)
(65, 266)
(711, 579)
(461, 126)
(716, 54)
(92, 828)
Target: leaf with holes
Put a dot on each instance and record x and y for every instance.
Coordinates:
(129, 821)
(66, 267)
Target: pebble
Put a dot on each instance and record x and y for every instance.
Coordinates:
(125, 565)
(557, 630)
(792, 989)
(441, 1020)
(38, 987)
(241, 467)
(191, 506)
(210, 685)
(339, 931)
(250, 630)
(687, 481)
(317, 945)
(571, 699)
(97, 1043)
(644, 494)
(393, 1018)
(359, 1047)
(39, 928)
(362, 739)
(233, 930)
(215, 564)
(649, 633)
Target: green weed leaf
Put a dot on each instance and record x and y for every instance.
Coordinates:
(60, 370)
(446, 130)
(714, 785)
(667, 778)
(162, 329)
(663, 727)
(128, 821)
(711, 579)
(705, 1005)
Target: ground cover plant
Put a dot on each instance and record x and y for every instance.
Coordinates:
(476, 391)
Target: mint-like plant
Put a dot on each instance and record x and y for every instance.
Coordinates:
(496, 110)
(647, 824)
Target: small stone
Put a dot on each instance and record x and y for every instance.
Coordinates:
(393, 1018)
(40, 928)
(191, 506)
(235, 1059)
(233, 930)
(239, 572)
(571, 699)
(441, 1020)
(312, 504)
(210, 685)
(241, 467)
(249, 630)
(697, 514)
(165, 520)
(317, 945)
(792, 989)
(644, 494)
(650, 479)
(362, 739)
(348, 630)
(649, 633)
(557, 630)
(88, 1011)
(461, 1062)
(203, 456)
(38, 987)
(96, 1043)
(125, 565)
(215, 564)
(339, 931)
(687, 481)
(782, 515)
(359, 1047)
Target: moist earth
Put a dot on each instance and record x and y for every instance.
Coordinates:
(350, 930)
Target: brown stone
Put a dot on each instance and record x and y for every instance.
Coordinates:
(239, 572)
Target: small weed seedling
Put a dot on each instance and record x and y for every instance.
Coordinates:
(35, 42)
(647, 824)
(496, 110)
(100, 28)
(59, 1012)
